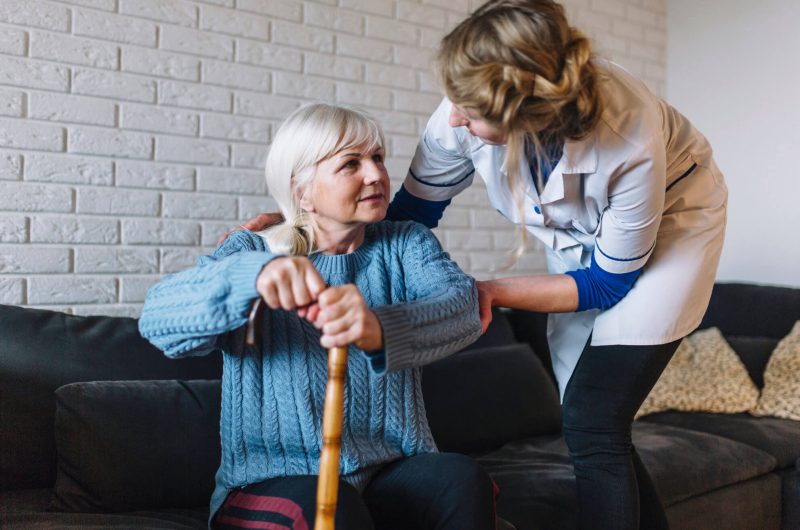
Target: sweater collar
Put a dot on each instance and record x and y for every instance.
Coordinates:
(344, 263)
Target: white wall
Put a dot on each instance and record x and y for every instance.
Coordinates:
(133, 132)
(733, 67)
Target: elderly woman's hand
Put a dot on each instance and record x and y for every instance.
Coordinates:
(257, 223)
(344, 318)
(289, 282)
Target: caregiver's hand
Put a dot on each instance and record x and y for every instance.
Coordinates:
(259, 222)
(289, 282)
(485, 299)
(344, 318)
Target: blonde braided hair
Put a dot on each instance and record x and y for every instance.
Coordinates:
(520, 66)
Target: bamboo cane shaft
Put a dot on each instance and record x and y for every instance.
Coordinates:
(328, 482)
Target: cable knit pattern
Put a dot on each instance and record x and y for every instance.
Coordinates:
(273, 395)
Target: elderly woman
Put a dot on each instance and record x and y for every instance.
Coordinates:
(333, 274)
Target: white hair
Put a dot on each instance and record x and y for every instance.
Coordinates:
(311, 134)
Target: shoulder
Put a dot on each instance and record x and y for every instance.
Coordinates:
(439, 135)
(240, 241)
(631, 112)
(405, 238)
(401, 230)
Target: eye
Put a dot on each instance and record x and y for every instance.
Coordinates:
(377, 158)
(351, 164)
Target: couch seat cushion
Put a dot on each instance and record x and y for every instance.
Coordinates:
(685, 463)
(537, 482)
(778, 437)
(151, 520)
(28, 509)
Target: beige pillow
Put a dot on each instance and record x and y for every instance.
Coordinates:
(704, 375)
(781, 394)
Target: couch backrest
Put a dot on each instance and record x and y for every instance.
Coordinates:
(43, 350)
(748, 310)
(753, 319)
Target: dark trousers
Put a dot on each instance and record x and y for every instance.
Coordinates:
(436, 491)
(615, 492)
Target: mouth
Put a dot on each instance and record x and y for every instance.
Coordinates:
(371, 198)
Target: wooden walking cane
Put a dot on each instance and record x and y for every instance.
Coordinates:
(328, 481)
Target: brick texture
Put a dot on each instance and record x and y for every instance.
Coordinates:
(133, 132)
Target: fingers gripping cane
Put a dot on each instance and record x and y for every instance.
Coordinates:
(328, 482)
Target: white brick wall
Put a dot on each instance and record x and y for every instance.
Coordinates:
(133, 132)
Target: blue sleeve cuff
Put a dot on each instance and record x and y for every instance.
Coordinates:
(408, 207)
(600, 289)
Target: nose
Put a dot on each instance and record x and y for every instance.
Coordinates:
(373, 172)
(457, 118)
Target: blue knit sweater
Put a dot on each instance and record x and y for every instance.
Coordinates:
(273, 395)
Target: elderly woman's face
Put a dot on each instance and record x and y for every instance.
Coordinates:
(351, 187)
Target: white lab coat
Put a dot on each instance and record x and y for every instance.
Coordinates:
(641, 190)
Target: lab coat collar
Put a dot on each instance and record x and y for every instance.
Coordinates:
(580, 156)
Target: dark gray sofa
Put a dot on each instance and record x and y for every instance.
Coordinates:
(143, 454)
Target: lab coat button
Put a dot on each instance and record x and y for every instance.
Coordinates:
(537, 209)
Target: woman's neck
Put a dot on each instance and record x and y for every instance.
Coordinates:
(336, 238)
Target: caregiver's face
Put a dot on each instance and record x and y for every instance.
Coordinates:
(351, 187)
(489, 133)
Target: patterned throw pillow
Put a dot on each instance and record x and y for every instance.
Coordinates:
(781, 394)
(704, 375)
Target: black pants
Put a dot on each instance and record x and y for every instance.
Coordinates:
(615, 492)
(436, 491)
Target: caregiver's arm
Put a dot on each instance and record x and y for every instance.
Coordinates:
(589, 288)
(543, 293)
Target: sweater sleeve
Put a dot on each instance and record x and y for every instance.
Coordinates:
(440, 315)
(185, 313)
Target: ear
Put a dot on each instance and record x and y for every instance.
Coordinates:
(304, 200)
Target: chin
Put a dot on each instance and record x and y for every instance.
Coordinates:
(378, 215)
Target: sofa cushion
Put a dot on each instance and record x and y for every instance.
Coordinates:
(499, 332)
(791, 496)
(778, 437)
(133, 445)
(705, 374)
(477, 400)
(754, 504)
(43, 350)
(781, 394)
(531, 328)
(173, 519)
(537, 483)
(680, 461)
(754, 353)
